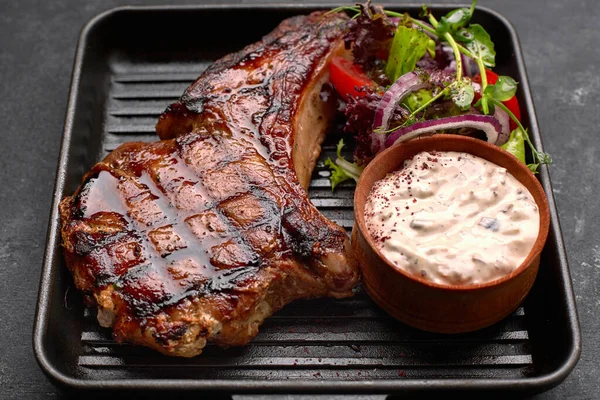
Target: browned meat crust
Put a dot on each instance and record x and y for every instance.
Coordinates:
(202, 236)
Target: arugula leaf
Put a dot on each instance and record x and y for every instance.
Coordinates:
(504, 89)
(455, 19)
(516, 145)
(481, 45)
(342, 170)
(462, 93)
(408, 46)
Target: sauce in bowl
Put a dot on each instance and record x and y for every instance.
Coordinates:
(452, 218)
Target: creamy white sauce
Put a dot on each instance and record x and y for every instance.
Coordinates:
(452, 218)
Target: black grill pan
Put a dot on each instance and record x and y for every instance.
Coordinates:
(131, 62)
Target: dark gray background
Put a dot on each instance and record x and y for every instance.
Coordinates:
(37, 44)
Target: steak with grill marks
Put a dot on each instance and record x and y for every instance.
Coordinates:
(201, 236)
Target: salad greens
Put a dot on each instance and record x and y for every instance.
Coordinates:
(447, 53)
(516, 144)
(408, 46)
(481, 47)
(454, 20)
(479, 44)
(416, 99)
(504, 89)
(462, 93)
(341, 169)
(538, 156)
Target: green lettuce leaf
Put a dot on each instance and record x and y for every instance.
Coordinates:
(516, 145)
(408, 46)
(342, 170)
(416, 99)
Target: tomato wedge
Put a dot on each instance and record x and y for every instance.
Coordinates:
(512, 104)
(346, 77)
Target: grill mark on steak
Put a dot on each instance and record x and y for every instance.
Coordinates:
(149, 206)
(202, 236)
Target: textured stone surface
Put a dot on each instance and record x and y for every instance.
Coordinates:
(37, 45)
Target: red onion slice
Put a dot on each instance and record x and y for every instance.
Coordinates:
(504, 120)
(448, 54)
(405, 85)
(470, 67)
(501, 116)
(486, 123)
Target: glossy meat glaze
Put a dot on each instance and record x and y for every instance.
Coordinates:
(202, 236)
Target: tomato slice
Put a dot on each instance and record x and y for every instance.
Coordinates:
(346, 77)
(512, 104)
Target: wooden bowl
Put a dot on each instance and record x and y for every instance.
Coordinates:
(430, 306)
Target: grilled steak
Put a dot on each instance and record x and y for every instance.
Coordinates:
(201, 236)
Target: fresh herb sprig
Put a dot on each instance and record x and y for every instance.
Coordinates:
(538, 156)
(348, 9)
(482, 48)
(496, 94)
